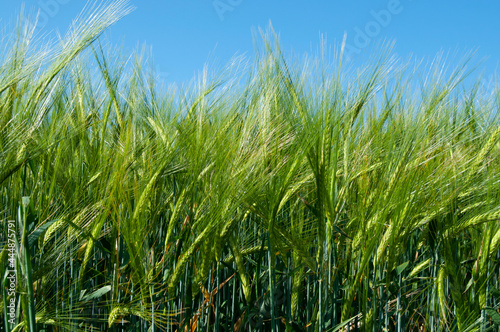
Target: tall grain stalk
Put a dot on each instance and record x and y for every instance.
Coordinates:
(275, 195)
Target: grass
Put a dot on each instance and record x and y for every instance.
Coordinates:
(274, 196)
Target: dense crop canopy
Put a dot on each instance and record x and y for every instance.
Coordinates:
(279, 195)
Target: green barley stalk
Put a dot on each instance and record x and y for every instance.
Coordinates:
(366, 197)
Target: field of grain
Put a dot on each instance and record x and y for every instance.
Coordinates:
(276, 195)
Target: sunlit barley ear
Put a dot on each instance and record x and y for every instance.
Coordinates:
(293, 195)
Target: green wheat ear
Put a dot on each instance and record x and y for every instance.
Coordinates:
(291, 195)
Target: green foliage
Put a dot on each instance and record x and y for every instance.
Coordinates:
(271, 197)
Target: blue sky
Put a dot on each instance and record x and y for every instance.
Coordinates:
(186, 34)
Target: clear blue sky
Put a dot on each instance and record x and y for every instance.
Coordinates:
(185, 34)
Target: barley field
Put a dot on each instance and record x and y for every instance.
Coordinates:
(273, 195)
